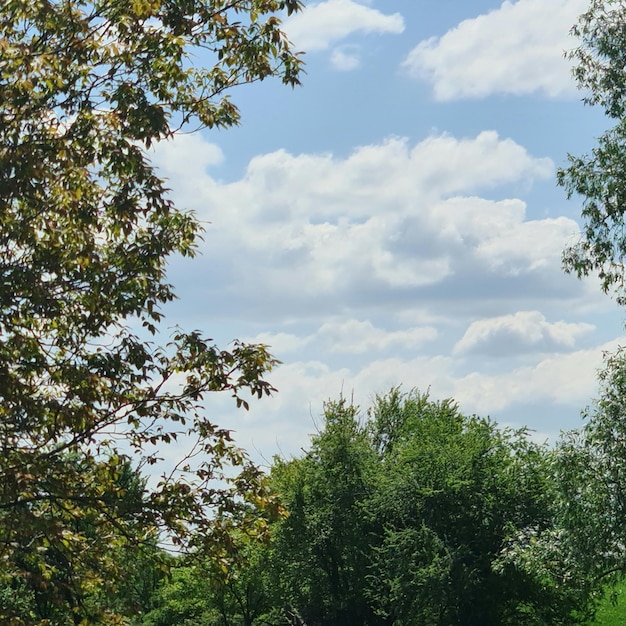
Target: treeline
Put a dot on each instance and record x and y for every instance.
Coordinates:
(414, 514)
(409, 513)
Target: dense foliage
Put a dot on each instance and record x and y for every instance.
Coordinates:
(86, 229)
(592, 460)
(407, 516)
(588, 542)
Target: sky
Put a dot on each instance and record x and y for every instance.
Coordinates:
(396, 220)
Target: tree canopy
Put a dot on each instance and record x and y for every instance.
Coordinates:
(410, 514)
(405, 516)
(598, 178)
(86, 230)
(589, 540)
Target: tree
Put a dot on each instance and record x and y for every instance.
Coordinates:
(183, 599)
(598, 178)
(215, 593)
(321, 550)
(86, 230)
(406, 517)
(582, 553)
(595, 471)
(591, 461)
(454, 491)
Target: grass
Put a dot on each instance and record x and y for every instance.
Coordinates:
(610, 614)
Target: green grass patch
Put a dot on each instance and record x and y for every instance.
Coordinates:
(611, 614)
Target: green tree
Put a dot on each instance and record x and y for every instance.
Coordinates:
(183, 599)
(406, 517)
(213, 592)
(591, 461)
(590, 466)
(454, 491)
(598, 178)
(86, 230)
(594, 472)
(322, 549)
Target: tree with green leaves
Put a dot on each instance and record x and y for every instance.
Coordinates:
(582, 553)
(453, 491)
(598, 178)
(405, 516)
(592, 461)
(86, 230)
(228, 592)
(321, 551)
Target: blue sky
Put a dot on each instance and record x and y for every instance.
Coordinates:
(396, 219)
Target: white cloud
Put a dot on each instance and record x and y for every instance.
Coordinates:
(452, 165)
(349, 336)
(319, 26)
(517, 49)
(389, 251)
(388, 218)
(322, 24)
(357, 337)
(500, 236)
(525, 331)
(286, 420)
(280, 343)
(567, 379)
(345, 58)
(189, 156)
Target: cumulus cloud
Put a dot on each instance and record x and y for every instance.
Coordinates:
(390, 218)
(280, 343)
(357, 337)
(499, 234)
(525, 331)
(349, 336)
(321, 25)
(517, 49)
(189, 156)
(365, 270)
(565, 379)
(345, 58)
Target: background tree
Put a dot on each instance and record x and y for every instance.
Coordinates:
(227, 592)
(584, 550)
(321, 551)
(407, 516)
(591, 461)
(453, 491)
(598, 178)
(183, 599)
(86, 229)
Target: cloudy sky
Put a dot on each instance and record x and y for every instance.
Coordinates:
(396, 220)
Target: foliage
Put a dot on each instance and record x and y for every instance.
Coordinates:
(214, 592)
(406, 517)
(454, 490)
(612, 609)
(410, 514)
(589, 544)
(590, 466)
(183, 599)
(86, 229)
(603, 470)
(598, 178)
(321, 551)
